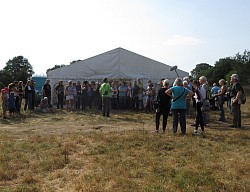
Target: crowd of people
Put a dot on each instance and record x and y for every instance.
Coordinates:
(177, 100)
(162, 99)
(124, 95)
(15, 93)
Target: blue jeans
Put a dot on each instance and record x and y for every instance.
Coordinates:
(175, 113)
(222, 113)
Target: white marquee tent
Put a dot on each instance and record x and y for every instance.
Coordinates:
(115, 64)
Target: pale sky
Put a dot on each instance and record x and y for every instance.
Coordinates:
(174, 32)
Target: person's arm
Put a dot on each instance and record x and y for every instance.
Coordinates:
(158, 95)
(56, 89)
(169, 93)
(15, 90)
(221, 92)
(239, 93)
(66, 90)
(100, 89)
(190, 93)
(44, 92)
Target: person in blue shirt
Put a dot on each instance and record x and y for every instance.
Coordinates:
(178, 93)
(122, 95)
(215, 89)
(214, 101)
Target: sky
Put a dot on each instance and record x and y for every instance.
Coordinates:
(174, 32)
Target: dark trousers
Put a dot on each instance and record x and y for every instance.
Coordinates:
(128, 101)
(49, 100)
(105, 106)
(199, 117)
(236, 115)
(84, 101)
(32, 107)
(29, 102)
(135, 103)
(164, 114)
(17, 105)
(78, 101)
(176, 113)
(113, 103)
(122, 101)
(60, 99)
(222, 112)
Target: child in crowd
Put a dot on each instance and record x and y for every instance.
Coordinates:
(5, 97)
(44, 105)
(11, 104)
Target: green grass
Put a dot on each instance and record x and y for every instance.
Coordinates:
(86, 152)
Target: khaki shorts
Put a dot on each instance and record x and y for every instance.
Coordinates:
(69, 97)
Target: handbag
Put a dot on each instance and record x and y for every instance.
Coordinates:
(205, 104)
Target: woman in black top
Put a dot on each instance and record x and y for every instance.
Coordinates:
(163, 108)
(28, 96)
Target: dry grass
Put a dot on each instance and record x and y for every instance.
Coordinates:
(86, 152)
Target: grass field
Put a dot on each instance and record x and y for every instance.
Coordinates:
(75, 151)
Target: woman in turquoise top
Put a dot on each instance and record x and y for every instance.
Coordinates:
(178, 93)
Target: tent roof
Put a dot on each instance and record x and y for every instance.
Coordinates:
(118, 63)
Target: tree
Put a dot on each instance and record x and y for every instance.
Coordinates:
(74, 61)
(222, 68)
(199, 69)
(225, 67)
(55, 67)
(5, 78)
(242, 66)
(18, 69)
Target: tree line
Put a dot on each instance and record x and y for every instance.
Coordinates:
(16, 69)
(20, 69)
(224, 68)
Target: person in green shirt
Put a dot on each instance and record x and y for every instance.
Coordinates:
(105, 93)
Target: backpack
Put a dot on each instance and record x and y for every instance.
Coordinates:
(243, 98)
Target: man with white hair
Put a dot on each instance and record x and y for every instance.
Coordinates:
(189, 82)
(235, 94)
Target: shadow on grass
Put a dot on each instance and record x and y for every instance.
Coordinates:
(19, 119)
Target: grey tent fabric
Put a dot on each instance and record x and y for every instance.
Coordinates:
(118, 63)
